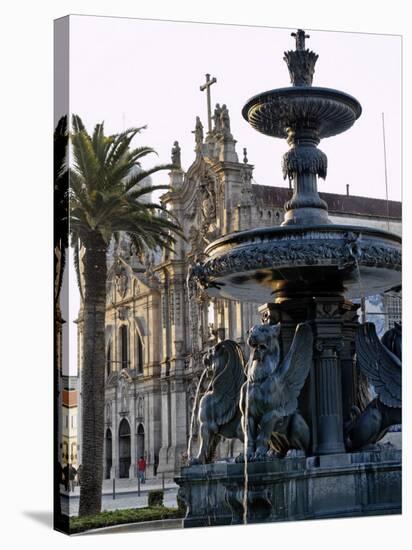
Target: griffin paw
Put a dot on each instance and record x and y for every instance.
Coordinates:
(261, 455)
(241, 457)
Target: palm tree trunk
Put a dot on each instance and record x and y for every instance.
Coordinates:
(95, 272)
(60, 522)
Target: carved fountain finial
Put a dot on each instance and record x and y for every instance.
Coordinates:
(300, 36)
(301, 62)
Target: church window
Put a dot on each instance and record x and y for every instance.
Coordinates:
(139, 353)
(124, 346)
(109, 359)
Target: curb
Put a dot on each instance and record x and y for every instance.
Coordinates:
(156, 525)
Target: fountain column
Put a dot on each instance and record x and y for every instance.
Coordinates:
(301, 165)
(321, 400)
(328, 421)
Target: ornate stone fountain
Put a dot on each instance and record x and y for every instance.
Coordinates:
(304, 273)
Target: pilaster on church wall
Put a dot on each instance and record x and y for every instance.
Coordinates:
(153, 426)
(177, 313)
(164, 330)
(179, 427)
(231, 184)
(115, 439)
(133, 427)
(154, 336)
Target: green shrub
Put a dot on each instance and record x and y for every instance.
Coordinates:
(155, 498)
(119, 517)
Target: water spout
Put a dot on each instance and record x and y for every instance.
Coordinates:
(194, 412)
(356, 255)
(245, 441)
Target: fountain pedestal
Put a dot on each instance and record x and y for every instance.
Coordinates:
(291, 489)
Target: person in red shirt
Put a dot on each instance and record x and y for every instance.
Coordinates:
(141, 468)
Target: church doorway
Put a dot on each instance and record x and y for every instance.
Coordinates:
(140, 441)
(109, 458)
(124, 448)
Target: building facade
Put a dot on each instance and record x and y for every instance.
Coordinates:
(69, 421)
(156, 332)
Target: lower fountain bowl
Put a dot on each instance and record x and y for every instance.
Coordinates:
(265, 264)
(291, 489)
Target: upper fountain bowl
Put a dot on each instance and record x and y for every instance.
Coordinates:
(328, 111)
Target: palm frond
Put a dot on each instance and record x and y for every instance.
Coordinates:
(76, 260)
(137, 178)
(139, 192)
(106, 192)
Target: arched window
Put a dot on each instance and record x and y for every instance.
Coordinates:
(108, 443)
(140, 446)
(124, 347)
(139, 353)
(109, 359)
(108, 413)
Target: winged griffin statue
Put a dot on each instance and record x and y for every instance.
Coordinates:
(269, 400)
(380, 362)
(219, 412)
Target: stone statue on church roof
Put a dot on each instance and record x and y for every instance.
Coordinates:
(198, 131)
(176, 155)
(225, 121)
(216, 118)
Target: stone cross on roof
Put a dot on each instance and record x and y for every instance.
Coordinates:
(300, 36)
(206, 86)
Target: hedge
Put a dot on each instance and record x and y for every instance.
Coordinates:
(119, 517)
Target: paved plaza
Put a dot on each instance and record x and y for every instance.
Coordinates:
(126, 495)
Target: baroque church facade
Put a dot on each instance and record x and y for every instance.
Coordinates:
(156, 331)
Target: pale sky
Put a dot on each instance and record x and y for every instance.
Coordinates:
(130, 72)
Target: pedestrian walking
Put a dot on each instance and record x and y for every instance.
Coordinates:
(141, 469)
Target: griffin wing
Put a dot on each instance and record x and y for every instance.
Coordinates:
(294, 369)
(381, 367)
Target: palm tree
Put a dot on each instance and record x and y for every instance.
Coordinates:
(105, 200)
(61, 239)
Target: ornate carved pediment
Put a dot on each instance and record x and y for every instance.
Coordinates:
(140, 408)
(123, 385)
(123, 281)
(118, 280)
(202, 192)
